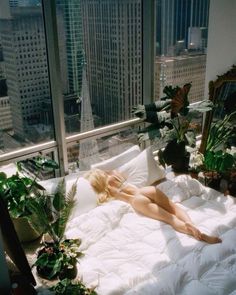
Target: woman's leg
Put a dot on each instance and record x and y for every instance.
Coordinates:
(163, 201)
(145, 206)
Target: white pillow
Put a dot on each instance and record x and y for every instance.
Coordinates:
(85, 198)
(116, 161)
(143, 169)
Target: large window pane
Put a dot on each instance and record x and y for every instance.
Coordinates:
(25, 103)
(181, 45)
(105, 39)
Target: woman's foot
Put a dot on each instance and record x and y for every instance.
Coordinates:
(211, 239)
(200, 236)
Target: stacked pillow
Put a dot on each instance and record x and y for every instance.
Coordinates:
(116, 161)
(142, 170)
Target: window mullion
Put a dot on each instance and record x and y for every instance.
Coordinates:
(50, 23)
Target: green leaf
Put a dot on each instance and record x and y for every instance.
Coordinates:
(45, 163)
(59, 197)
(202, 106)
(19, 166)
(190, 138)
(3, 176)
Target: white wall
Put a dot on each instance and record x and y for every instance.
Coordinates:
(221, 52)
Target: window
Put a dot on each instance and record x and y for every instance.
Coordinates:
(32, 124)
(91, 87)
(181, 45)
(101, 78)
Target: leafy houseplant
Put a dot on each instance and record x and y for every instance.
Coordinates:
(19, 190)
(170, 120)
(58, 257)
(68, 287)
(218, 161)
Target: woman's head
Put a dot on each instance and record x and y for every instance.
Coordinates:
(99, 181)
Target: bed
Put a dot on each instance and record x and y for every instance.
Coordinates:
(127, 253)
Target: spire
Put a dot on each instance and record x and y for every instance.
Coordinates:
(88, 153)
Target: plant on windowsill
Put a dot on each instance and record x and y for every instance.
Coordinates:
(219, 161)
(19, 190)
(170, 120)
(58, 257)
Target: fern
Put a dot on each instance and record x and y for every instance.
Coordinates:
(63, 204)
(53, 219)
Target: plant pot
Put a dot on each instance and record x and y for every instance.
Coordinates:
(52, 251)
(176, 155)
(24, 230)
(213, 179)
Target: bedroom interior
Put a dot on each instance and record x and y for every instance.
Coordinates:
(55, 238)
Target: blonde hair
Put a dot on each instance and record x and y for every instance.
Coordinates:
(99, 181)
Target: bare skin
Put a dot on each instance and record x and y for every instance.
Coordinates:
(153, 203)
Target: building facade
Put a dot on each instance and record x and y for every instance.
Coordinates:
(112, 33)
(26, 69)
(6, 114)
(179, 70)
(181, 24)
(70, 44)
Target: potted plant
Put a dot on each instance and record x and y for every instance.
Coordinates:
(58, 257)
(218, 160)
(68, 287)
(19, 190)
(170, 120)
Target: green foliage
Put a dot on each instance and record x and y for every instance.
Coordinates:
(68, 287)
(58, 259)
(169, 125)
(219, 161)
(220, 133)
(216, 157)
(53, 219)
(19, 190)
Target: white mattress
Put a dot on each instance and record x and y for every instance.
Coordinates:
(126, 253)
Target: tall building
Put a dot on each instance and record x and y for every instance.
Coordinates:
(179, 70)
(3, 85)
(25, 60)
(181, 24)
(71, 46)
(14, 3)
(112, 33)
(6, 115)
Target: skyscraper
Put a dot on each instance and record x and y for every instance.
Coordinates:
(179, 70)
(70, 25)
(24, 54)
(113, 50)
(181, 20)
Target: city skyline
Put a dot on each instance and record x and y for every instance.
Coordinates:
(106, 34)
(181, 25)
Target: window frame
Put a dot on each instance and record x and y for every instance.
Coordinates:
(61, 142)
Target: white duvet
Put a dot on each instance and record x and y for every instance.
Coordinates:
(127, 253)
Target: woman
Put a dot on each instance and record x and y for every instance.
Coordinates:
(147, 200)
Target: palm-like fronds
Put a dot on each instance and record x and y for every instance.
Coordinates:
(64, 208)
(220, 132)
(52, 219)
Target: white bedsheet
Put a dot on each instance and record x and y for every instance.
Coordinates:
(126, 253)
